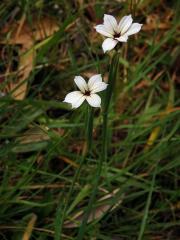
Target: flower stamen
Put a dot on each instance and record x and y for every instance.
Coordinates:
(87, 93)
(116, 35)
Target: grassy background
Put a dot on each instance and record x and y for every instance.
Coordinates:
(46, 180)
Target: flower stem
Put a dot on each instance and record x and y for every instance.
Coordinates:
(112, 78)
(92, 198)
(108, 95)
(89, 128)
(88, 131)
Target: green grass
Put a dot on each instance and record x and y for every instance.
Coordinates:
(52, 166)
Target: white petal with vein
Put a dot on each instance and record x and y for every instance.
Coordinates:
(123, 38)
(121, 22)
(76, 98)
(98, 87)
(109, 44)
(134, 28)
(81, 83)
(94, 100)
(125, 24)
(110, 23)
(94, 79)
(104, 30)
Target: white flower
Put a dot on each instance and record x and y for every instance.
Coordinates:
(116, 32)
(87, 91)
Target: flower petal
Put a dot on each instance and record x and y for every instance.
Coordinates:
(125, 23)
(110, 23)
(109, 44)
(104, 30)
(123, 38)
(134, 28)
(81, 83)
(98, 87)
(122, 21)
(76, 98)
(94, 79)
(94, 100)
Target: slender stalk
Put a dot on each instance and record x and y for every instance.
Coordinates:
(62, 211)
(146, 210)
(89, 127)
(88, 131)
(88, 210)
(109, 91)
(108, 95)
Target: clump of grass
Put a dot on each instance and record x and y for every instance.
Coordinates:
(46, 187)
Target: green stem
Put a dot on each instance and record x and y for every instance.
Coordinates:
(108, 95)
(63, 209)
(112, 79)
(148, 202)
(89, 208)
(89, 128)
